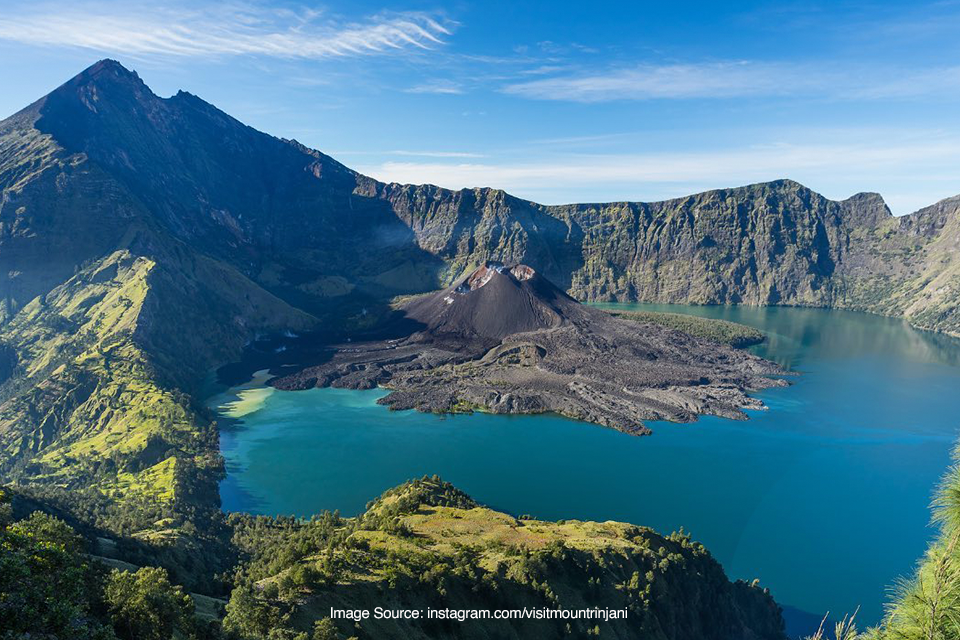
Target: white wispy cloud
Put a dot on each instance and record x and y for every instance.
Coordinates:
(739, 79)
(437, 154)
(648, 81)
(438, 87)
(916, 84)
(215, 30)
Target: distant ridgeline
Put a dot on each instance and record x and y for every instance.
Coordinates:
(144, 241)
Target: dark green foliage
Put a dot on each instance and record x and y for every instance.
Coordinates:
(52, 589)
(731, 333)
(270, 545)
(48, 588)
(296, 570)
(145, 606)
(325, 630)
(196, 552)
(249, 615)
(98, 511)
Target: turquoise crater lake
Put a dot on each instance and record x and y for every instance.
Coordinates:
(824, 497)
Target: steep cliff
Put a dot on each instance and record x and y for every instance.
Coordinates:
(771, 243)
(145, 240)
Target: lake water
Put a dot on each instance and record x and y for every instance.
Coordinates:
(824, 497)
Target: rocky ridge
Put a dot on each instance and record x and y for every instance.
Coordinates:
(164, 228)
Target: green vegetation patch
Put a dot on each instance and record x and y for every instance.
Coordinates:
(734, 334)
(51, 587)
(426, 544)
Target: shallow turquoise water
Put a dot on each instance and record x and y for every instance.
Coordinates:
(824, 497)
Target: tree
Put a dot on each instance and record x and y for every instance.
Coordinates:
(48, 588)
(49, 530)
(249, 616)
(325, 630)
(145, 606)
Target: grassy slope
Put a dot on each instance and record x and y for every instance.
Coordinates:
(98, 402)
(425, 544)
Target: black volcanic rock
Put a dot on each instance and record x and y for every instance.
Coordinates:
(504, 339)
(493, 302)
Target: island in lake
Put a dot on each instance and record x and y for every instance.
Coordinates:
(504, 339)
(147, 241)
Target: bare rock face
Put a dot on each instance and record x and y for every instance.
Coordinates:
(504, 339)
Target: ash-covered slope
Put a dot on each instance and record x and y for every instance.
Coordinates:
(506, 340)
(495, 301)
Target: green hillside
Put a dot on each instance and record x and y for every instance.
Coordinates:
(144, 241)
(422, 545)
(427, 545)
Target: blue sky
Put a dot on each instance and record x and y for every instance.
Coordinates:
(557, 102)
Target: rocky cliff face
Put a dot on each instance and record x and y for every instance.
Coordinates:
(301, 224)
(131, 223)
(772, 243)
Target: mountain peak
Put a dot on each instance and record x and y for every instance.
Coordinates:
(104, 78)
(866, 208)
(494, 301)
(482, 275)
(107, 71)
(106, 87)
(108, 64)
